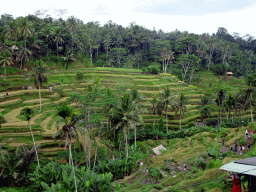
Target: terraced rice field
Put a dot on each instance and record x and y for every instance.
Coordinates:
(148, 85)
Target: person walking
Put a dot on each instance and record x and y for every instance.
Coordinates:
(246, 133)
(236, 146)
(249, 147)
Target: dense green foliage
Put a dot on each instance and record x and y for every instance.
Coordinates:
(62, 41)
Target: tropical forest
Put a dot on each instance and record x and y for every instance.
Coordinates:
(107, 108)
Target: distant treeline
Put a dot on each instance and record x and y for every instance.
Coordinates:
(182, 53)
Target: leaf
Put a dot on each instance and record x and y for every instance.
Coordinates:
(45, 186)
(87, 184)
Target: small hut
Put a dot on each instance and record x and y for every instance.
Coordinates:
(157, 149)
(229, 74)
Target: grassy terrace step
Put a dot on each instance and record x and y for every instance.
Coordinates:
(9, 102)
(35, 101)
(20, 129)
(21, 134)
(19, 92)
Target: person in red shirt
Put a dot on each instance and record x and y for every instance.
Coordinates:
(236, 183)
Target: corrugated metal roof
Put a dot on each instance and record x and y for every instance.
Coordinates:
(248, 161)
(240, 168)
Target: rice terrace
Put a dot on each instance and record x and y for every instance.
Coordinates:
(85, 107)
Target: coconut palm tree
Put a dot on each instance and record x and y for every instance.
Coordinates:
(5, 59)
(181, 105)
(4, 45)
(39, 77)
(251, 86)
(125, 115)
(154, 107)
(25, 31)
(28, 112)
(221, 94)
(205, 107)
(12, 30)
(166, 99)
(68, 57)
(68, 118)
(137, 98)
(58, 40)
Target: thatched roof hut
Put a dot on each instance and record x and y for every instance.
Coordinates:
(157, 149)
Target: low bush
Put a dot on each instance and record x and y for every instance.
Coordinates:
(155, 173)
(79, 75)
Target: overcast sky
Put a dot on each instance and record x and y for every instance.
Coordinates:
(196, 16)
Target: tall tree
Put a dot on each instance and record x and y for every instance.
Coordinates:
(58, 39)
(25, 31)
(125, 116)
(167, 98)
(251, 86)
(5, 59)
(221, 95)
(39, 77)
(182, 100)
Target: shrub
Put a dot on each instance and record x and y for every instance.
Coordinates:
(252, 126)
(2, 120)
(79, 75)
(155, 173)
(153, 69)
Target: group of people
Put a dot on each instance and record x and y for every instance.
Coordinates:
(248, 133)
(6, 94)
(240, 149)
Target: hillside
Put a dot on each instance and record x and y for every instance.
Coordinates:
(201, 151)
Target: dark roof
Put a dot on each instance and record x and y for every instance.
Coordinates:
(248, 161)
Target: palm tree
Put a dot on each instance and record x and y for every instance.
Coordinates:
(137, 98)
(166, 99)
(229, 104)
(205, 107)
(58, 40)
(39, 77)
(125, 115)
(68, 119)
(25, 31)
(154, 107)
(4, 45)
(219, 101)
(28, 112)
(68, 57)
(12, 30)
(181, 105)
(251, 85)
(5, 59)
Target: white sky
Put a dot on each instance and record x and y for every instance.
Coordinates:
(197, 16)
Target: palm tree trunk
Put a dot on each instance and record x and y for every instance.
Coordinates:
(95, 158)
(34, 145)
(40, 98)
(5, 72)
(57, 49)
(154, 122)
(251, 108)
(135, 135)
(126, 143)
(66, 143)
(180, 121)
(166, 119)
(70, 154)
